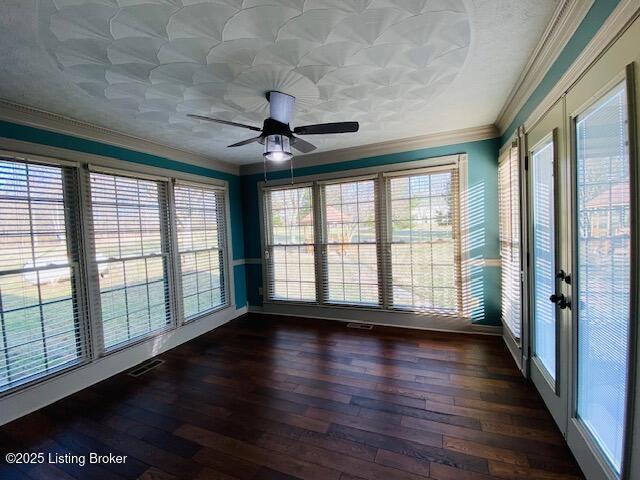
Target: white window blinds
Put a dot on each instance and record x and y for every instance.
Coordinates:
(350, 246)
(290, 245)
(424, 242)
(40, 317)
(604, 269)
(200, 214)
(509, 226)
(131, 252)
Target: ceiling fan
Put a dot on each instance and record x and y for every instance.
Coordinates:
(276, 135)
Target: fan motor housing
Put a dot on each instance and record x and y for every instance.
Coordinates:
(274, 127)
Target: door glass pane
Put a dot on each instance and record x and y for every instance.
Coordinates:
(544, 247)
(604, 267)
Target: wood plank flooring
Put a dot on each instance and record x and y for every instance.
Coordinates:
(269, 398)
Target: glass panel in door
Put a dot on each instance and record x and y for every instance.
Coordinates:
(604, 270)
(543, 261)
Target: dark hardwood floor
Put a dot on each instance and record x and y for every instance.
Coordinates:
(275, 398)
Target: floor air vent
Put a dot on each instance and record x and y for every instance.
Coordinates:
(145, 367)
(360, 326)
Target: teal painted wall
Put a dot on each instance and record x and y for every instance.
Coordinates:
(482, 181)
(53, 139)
(597, 14)
(483, 216)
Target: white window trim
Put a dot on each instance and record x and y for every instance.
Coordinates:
(138, 350)
(322, 270)
(505, 155)
(79, 278)
(93, 283)
(265, 233)
(402, 168)
(225, 247)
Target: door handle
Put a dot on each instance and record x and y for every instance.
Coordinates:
(564, 276)
(560, 300)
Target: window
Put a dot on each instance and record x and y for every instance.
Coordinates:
(424, 241)
(350, 249)
(51, 312)
(509, 214)
(603, 204)
(131, 252)
(200, 213)
(543, 263)
(384, 240)
(290, 248)
(40, 317)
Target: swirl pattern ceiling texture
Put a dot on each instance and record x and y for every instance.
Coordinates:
(379, 62)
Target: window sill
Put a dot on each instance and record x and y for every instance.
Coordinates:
(377, 316)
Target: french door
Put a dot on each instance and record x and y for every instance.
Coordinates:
(583, 188)
(605, 213)
(548, 256)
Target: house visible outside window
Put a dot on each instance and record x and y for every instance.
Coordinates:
(290, 244)
(386, 240)
(350, 246)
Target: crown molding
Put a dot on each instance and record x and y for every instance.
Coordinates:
(563, 24)
(621, 17)
(34, 117)
(384, 148)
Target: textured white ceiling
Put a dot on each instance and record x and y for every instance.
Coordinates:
(399, 67)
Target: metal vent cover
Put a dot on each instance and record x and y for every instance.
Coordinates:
(360, 326)
(145, 367)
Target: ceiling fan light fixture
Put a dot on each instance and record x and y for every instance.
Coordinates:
(277, 148)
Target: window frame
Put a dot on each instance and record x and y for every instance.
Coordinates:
(323, 286)
(167, 248)
(511, 155)
(579, 435)
(456, 237)
(223, 247)
(266, 232)
(91, 322)
(75, 247)
(382, 211)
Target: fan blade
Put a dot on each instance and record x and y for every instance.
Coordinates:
(302, 145)
(224, 122)
(245, 142)
(322, 128)
(280, 106)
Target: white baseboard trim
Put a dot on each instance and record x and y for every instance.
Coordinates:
(515, 351)
(53, 389)
(381, 318)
